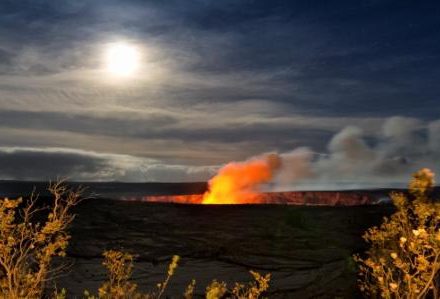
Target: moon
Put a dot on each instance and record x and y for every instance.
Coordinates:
(122, 59)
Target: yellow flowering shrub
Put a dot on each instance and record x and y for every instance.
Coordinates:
(216, 290)
(119, 285)
(252, 290)
(403, 260)
(119, 266)
(189, 292)
(31, 235)
(27, 246)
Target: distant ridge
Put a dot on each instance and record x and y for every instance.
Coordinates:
(104, 189)
(139, 191)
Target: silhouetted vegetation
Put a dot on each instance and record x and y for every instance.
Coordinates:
(119, 285)
(28, 246)
(32, 235)
(403, 260)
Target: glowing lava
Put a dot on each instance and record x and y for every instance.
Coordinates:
(238, 182)
(235, 183)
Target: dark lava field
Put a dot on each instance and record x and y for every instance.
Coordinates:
(307, 249)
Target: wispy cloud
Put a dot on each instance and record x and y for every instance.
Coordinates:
(26, 163)
(220, 80)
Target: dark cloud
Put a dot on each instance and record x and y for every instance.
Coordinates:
(274, 135)
(22, 164)
(54, 163)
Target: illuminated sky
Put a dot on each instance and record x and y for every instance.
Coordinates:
(218, 81)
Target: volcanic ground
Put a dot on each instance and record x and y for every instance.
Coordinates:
(307, 249)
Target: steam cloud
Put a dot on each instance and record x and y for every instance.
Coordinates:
(353, 161)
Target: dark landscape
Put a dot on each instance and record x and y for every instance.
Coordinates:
(220, 137)
(307, 249)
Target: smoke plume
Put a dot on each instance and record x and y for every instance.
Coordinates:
(353, 161)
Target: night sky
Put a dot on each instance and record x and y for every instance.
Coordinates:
(355, 82)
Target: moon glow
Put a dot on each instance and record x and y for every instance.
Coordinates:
(122, 59)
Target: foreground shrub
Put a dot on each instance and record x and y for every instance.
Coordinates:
(404, 256)
(119, 266)
(119, 285)
(32, 235)
(252, 290)
(27, 246)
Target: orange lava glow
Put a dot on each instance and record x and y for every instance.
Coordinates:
(185, 199)
(238, 182)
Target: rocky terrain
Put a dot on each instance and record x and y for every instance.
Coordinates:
(307, 249)
(306, 242)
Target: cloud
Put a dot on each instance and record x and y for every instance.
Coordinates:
(264, 123)
(222, 80)
(434, 136)
(23, 163)
(404, 146)
(228, 52)
(398, 127)
(296, 165)
(349, 155)
(351, 159)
